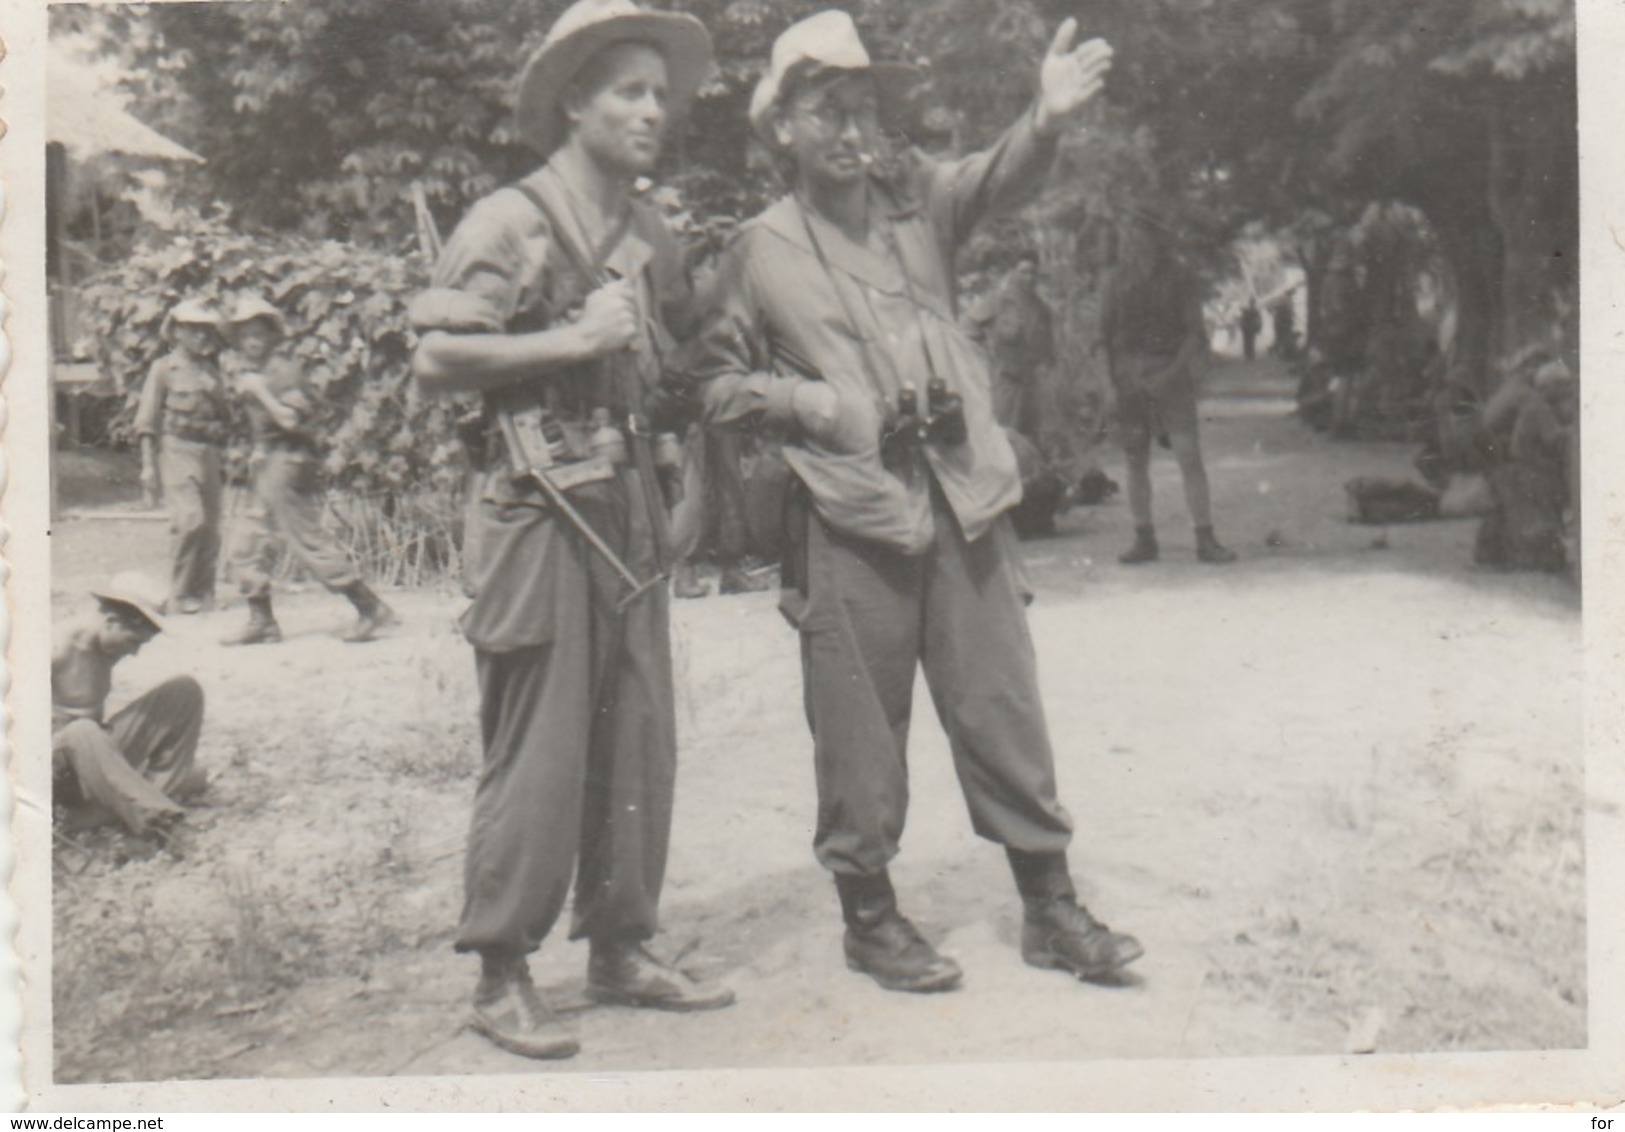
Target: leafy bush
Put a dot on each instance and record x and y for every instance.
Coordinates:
(345, 306)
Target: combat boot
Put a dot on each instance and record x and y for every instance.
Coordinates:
(686, 583)
(625, 974)
(1144, 548)
(1210, 550)
(882, 944)
(747, 576)
(372, 615)
(261, 629)
(1058, 933)
(508, 1011)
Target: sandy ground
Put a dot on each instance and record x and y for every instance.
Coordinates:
(1336, 789)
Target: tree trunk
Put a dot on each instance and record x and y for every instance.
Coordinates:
(1472, 249)
(1533, 196)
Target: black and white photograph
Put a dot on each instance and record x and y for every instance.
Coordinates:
(896, 553)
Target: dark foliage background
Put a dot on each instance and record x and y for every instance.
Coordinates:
(1317, 125)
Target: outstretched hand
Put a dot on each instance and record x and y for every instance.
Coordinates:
(1070, 76)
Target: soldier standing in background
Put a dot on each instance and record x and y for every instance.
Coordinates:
(181, 422)
(1252, 321)
(1021, 339)
(1156, 347)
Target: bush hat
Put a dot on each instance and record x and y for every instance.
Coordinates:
(131, 592)
(192, 312)
(252, 307)
(827, 41)
(585, 28)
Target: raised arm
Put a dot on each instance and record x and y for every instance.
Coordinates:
(961, 193)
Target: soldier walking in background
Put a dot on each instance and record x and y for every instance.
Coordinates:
(836, 324)
(577, 703)
(181, 422)
(287, 507)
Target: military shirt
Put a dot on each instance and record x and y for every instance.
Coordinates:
(880, 315)
(185, 398)
(286, 381)
(501, 271)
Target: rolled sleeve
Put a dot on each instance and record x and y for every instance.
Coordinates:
(484, 268)
(445, 308)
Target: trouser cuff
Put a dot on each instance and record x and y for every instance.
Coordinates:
(1041, 877)
(865, 898)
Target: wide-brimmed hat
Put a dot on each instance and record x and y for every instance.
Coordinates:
(827, 41)
(251, 307)
(193, 312)
(585, 28)
(136, 593)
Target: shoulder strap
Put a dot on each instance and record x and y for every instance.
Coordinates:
(592, 268)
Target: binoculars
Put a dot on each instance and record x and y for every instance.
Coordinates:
(943, 421)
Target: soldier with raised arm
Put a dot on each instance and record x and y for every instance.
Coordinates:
(837, 327)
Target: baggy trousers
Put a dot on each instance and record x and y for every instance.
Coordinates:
(190, 471)
(136, 765)
(580, 742)
(288, 503)
(872, 616)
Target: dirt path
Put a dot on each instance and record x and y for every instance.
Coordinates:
(1336, 789)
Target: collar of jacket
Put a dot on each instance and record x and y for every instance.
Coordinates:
(878, 270)
(634, 251)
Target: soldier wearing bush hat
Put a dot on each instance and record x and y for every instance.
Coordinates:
(517, 311)
(287, 506)
(836, 324)
(181, 422)
(135, 766)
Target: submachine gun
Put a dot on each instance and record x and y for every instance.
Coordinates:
(530, 454)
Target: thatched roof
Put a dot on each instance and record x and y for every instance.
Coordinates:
(90, 120)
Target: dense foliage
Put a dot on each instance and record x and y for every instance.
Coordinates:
(346, 313)
(1286, 121)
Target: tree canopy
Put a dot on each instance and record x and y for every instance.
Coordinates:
(1290, 116)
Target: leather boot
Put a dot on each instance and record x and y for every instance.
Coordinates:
(747, 576)
(1144, 548)
(882, 944)
(508, 1010)
(1058, 933)
(372, 615)
(1210, 550)
(625, 974)
(261, 629)
(686, 583)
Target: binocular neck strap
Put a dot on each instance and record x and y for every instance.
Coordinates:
(889, 234)
(851, 318)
